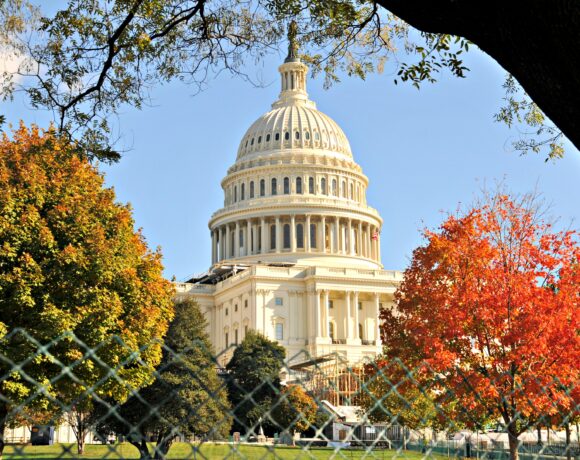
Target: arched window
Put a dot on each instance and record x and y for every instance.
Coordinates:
(262, 187)
(286, 236)
(259, 139)
(313, 236)
(297, 135)
(307, 135)
(316, 136)
(344, 189)
(274, 186)
(267, 138)
(243, 192)
(300, 236)
(334, 188)
(311, 185)
(277, 136)
(323, 186)
(298, 185)
(286, 135)
(273, 237)
(351, 191)
(252, 141)
(331, 329)
(235, 193)
(286, 186)
(252, 189)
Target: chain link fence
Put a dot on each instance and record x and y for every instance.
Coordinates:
(64, 398)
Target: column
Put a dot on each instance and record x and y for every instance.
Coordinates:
(377, 320)
(373, 241)
(307, 233)
(222, 243)
(356, 318)
(278, 234)
(348, 316)
(350, 246)
(323, 233)
(293, 233)
(228, 243)
(359, 248)
(337, 234)
(263, 236)
(325, 332)
(237, 240)
(248, 241)
(317, 315)
(378, 246)
(213, 243)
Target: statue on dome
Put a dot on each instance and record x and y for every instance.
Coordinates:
(292, 43)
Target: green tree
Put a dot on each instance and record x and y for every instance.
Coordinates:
(187, 398)
(90, 57)
(74, 276)
(295, 410)
(253, 376)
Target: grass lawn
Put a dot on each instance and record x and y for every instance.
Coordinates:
(208, 451)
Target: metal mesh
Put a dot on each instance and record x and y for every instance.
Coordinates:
(57, 391)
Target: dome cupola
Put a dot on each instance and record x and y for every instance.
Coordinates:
(295, 194)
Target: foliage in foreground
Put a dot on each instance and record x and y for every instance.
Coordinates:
(71, 262)
(488, 317)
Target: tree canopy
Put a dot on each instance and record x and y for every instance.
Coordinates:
(74, 276)
(86, 59)
(489, 306)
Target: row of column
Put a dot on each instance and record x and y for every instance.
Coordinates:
(329, 235)
(322, 315)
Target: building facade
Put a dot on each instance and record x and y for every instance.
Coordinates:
(295, 248)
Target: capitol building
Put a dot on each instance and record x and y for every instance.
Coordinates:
(295, 248)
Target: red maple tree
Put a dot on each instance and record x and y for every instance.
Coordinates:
(489, 307)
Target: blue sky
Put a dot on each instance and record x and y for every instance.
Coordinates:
(424, 152)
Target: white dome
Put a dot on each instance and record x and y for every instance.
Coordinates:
(294, 123)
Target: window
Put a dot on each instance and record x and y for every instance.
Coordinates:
(313, 236)
(331, 329)
(297, 135)
(227, 311)
(245, 330)
(307, 135)
(277, 136)
(286, 236)
(343, 189)
(279, 331)
(274, 187)
(259, 139)
(286, 135)
(235, 193)
(243, 192)
(252, 141)
(262, 187)
(236, 307)
(246, 303)
(330, 304)
(299, 185)
(279, 301)
(316, 136)
(267, 140)
(241, 237)
(300, 236)
(311, 185)
(252, 189)
(323, 186)
(286, 186)
(236, 336)
(273, 237)
(227, 339)
(334, 190)
(360, 331)
(351, 191)
(360, 305)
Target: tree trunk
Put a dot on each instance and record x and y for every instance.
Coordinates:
(3, 417)
(568, 450)
(164, 442)
(539, 435)
(513, 443)
(142, 448)
(534, 40)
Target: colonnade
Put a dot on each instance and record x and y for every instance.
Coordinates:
(295, 233)
(321, 319)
